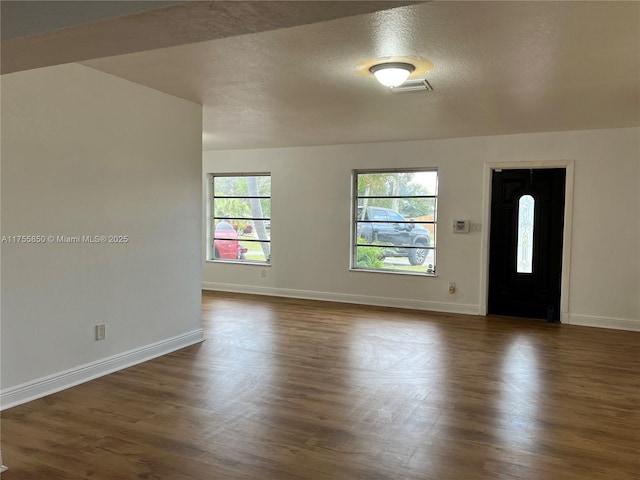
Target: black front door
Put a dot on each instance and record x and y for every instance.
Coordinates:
(525, 262)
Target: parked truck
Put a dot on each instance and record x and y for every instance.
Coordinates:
(402, 237)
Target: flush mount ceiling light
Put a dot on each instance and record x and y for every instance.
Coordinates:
(412, 69)
(392, 74)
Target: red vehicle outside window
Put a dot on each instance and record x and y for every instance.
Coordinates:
(226, 244)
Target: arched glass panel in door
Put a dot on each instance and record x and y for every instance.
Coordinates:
(526, 208)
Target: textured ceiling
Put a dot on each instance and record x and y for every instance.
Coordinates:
(43, 33)
(499, 68)
(33, 17)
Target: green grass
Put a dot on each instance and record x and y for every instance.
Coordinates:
(254, 252)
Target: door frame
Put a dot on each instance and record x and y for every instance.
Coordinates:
(489, 168)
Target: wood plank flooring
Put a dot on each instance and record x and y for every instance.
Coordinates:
(294, 389)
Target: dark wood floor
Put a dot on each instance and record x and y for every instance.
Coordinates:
(293, 389)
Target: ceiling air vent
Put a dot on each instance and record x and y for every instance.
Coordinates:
(413, 86)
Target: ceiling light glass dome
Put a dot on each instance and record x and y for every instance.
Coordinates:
(392, 74)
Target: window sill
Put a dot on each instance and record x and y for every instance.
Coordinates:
(235, 262)
(413, 274)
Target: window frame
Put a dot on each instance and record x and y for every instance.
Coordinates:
(212, 219)
(355, 200)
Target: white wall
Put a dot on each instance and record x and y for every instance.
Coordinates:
(311, 206)
(88, 153)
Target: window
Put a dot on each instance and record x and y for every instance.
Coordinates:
(526, 206)
(239, 228)
(394, 221)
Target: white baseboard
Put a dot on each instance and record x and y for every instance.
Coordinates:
(343, 298)
(604, 322)
(568, 318)
(44, 386)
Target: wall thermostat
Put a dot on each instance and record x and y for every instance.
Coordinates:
(461, 226)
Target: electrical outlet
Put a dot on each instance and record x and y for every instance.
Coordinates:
(263, 272)
(476, 227)
(452, 287)
(101, 331)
